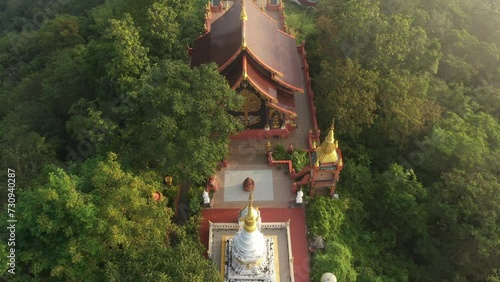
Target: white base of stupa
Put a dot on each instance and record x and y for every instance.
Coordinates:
(266, 271)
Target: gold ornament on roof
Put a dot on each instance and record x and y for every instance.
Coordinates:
(243, 16)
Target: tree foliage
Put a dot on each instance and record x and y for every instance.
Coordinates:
(100, 222)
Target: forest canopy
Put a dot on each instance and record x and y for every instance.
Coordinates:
(415, 91)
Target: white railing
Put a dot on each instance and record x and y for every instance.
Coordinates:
(224, 226)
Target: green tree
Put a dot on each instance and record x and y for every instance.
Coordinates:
(130, 59)
(404, 108)
(468, 141)
(23, 150)
(177, 122)
(338, 259)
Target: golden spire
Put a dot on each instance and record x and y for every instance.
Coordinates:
(327, 152)
(243, 16)
(250, 224)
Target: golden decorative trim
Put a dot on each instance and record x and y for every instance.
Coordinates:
(276, 257)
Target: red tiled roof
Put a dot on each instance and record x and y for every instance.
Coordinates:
(271, 48)
(234, 75)
(260, 35)
(279, 99)
(286, 103)
(221, 42)
(293, 76)
(286, 98)
(262, 83)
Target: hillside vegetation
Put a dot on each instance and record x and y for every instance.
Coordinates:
(415, 90)
(98, 105)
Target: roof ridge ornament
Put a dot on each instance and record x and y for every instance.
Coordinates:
(243, 12)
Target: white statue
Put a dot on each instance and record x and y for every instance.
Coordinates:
(206, 197)
(300, 194)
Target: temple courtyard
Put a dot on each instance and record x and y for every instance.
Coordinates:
(281, 218)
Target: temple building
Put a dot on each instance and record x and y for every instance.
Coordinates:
(261, 61)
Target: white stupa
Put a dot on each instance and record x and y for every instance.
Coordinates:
(249, 254)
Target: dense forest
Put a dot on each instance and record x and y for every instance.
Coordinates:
(99, 102)
(415, 88)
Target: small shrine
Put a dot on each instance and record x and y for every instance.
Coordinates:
(325, 164)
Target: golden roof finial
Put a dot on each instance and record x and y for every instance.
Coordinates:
(243, 12)
(243, 18)
(330, 138)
